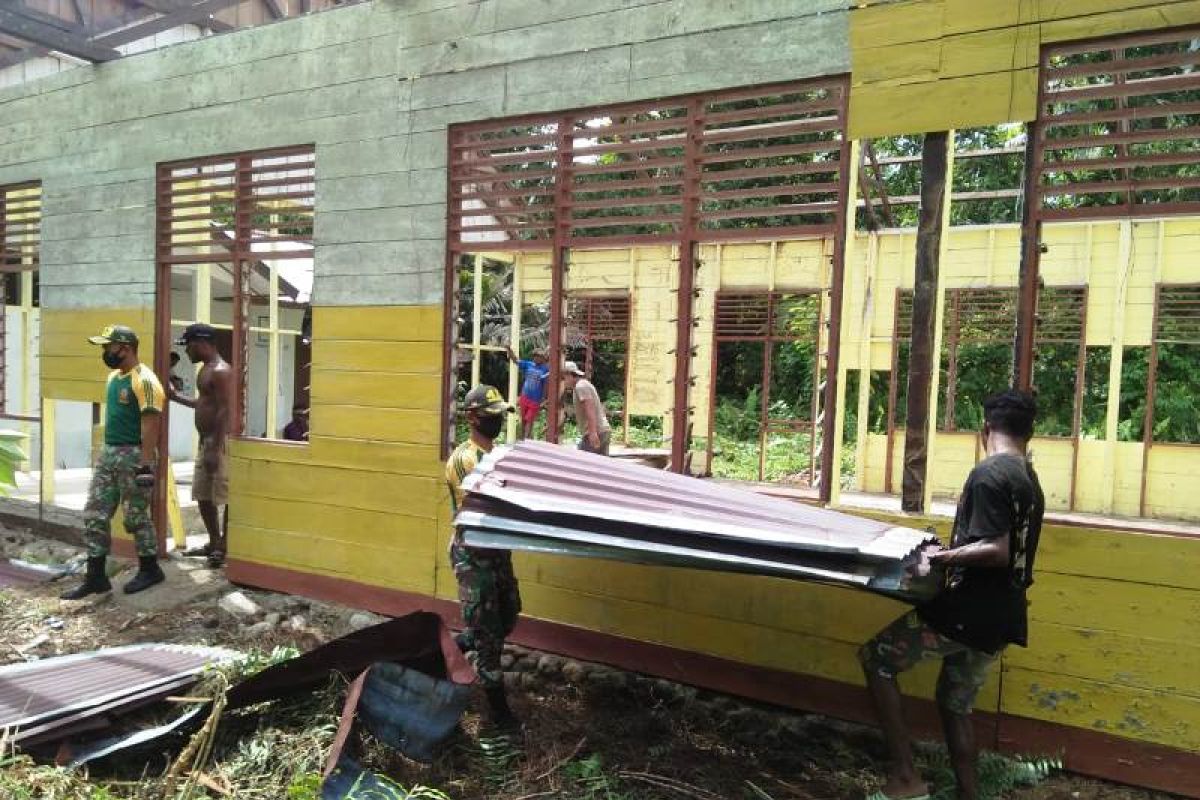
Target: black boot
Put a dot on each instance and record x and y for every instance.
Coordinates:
(96, 581)
(148, 574)
(500, 714)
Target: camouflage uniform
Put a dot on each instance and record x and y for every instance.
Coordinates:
(487, 587)
(491, 601)
(112, 482)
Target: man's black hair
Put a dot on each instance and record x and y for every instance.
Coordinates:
(1011, 412)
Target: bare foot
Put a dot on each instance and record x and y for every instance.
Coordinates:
(901, 790)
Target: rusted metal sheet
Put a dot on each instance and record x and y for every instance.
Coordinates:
(538, 497)
(41, 699)
(14, 574)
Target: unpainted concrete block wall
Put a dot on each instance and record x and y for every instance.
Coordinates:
(374, 86)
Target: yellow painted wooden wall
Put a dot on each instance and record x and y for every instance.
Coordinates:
(1120, 262)
(652, 273)
(71, 368)
(362, 500)
(930, 65)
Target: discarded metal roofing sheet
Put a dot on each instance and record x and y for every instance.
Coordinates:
(543, 498)
(13, 573)
(57, 694)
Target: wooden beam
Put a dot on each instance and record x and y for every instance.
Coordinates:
(194, 13)
(923, 359)
(23, 27)
(275, 8)
(171, 6)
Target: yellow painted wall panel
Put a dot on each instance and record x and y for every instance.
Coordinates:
(402, 458)
(1171, 481)
(339, 525)
(1134, 609)
(270, 450)
(915, 64)
(1167, 561)
(315, 554)
(422, 392)
(370, 491)
(378, 356)
(376, 424)
(1052, 458)
(390, 323)
(1150, 716)
(1136, 661)
(878, 109)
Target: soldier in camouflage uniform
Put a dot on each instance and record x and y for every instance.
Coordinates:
(487, 587)
(124, 470)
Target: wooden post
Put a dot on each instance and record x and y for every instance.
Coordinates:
(49, 451)
(476, 319)
(831, 473)
(921, 418)
(1124, 273)
(863, 427)
(514, 341)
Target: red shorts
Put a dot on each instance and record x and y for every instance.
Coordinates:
(529, 409)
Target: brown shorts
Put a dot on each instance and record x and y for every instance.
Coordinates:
(210, 487)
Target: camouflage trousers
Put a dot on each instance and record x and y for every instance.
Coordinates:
(112, 485)
(908, 641)
(491, 601)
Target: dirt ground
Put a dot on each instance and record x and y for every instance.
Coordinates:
(587, 734)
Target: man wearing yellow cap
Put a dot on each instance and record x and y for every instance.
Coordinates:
(124, 470)
(487, 587)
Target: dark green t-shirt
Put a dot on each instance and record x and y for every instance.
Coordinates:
(130, 394)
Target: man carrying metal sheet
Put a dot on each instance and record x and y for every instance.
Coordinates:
(124, 471)
(214, 398)
(594, 429)
(487, 587)
(982, 610)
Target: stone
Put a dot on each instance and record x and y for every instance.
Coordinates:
(297, 622)
(239, 605)
(363, 619)
(574, 672)
(529, 680)
(549, 665)
(274, 618)
(507, 661)
(257, 629)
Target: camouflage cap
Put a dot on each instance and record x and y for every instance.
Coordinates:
(115, 334)
(487, 400)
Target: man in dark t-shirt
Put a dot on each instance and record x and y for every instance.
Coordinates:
(982, 610)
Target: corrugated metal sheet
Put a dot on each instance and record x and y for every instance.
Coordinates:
(56, 694)
(544, 498)
(13, 574)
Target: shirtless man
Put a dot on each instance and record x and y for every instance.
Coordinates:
(210, 484)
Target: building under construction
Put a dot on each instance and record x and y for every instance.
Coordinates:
(747, 217)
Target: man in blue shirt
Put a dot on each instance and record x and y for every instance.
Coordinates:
(533, 389)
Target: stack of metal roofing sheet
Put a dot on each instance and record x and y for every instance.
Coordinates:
(539, 497)
(56, 697)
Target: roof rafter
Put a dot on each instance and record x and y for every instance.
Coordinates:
(25, 27)
(197, 13)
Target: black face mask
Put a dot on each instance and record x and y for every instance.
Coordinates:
(490, 426)
(112, 360)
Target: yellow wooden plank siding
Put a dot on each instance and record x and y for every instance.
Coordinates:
(928, 65)
(70, 367)
(362, 500)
